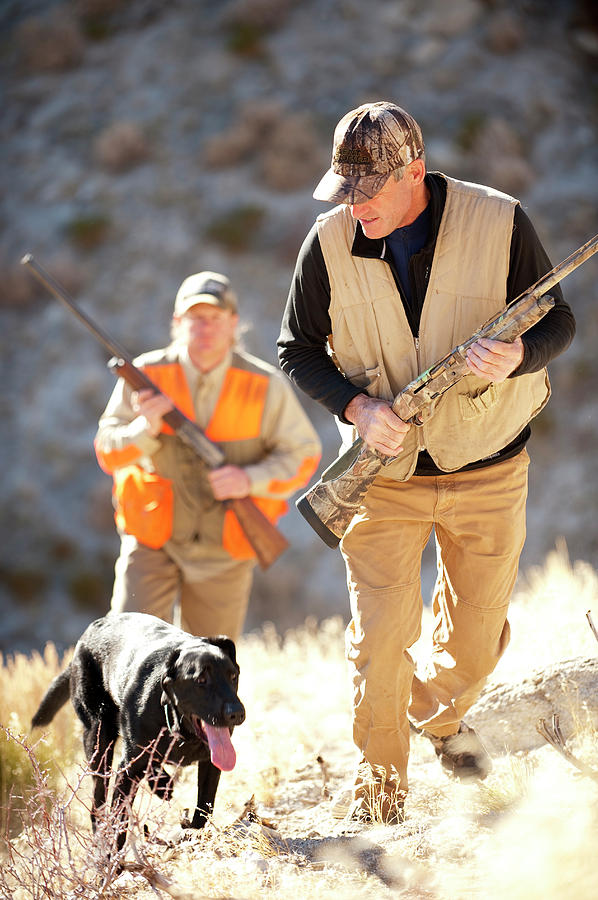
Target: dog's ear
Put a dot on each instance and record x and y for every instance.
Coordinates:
(170, 663)
(167, 676)
(225, 644)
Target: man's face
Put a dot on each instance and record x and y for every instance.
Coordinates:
(397, 204)
(208, 331)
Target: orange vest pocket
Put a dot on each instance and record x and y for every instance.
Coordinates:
(144, 505)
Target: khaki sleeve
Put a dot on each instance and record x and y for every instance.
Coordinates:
(122, 436)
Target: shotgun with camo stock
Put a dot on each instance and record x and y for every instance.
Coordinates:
(266, 540)
(332, 502)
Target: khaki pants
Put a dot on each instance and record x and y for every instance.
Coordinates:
(479, 522)
(150, 581)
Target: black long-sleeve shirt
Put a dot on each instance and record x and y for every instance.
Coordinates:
(306, 324)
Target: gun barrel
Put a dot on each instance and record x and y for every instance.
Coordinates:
(50, 283)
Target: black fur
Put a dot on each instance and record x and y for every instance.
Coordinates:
(136, 676)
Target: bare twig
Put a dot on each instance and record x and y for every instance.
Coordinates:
(591, 624)
(324, 769)
(42, 862)
(553, 735)
(250, 814)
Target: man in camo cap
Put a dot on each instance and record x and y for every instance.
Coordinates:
(404, 267)
(369, 143)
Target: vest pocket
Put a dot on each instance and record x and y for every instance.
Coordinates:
(144, 505)
(473, 405)
(364, 378)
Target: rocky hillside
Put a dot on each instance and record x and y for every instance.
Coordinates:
(143, 141)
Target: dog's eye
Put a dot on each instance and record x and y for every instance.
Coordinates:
(202, 678)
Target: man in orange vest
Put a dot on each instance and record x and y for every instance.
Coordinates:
(178, 541)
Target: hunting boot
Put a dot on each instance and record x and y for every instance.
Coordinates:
(374, 799)
(462, 754)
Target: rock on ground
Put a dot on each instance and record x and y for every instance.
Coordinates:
(506, 714)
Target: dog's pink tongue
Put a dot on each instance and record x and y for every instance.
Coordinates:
(222, 752)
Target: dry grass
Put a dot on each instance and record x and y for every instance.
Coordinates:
(548, 614)
(23, 680)
(527, 832)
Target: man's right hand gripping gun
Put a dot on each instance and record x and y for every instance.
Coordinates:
(332, 502)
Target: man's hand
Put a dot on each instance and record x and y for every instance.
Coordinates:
(151, 406)
(229, 483)
(494, 360)
(376, 423)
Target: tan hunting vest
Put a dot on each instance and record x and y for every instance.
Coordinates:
(375, 348)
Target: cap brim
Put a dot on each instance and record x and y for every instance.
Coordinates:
(183, 306)
(335, 188)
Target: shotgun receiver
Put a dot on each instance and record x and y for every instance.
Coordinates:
(267, 542)
(332, 502)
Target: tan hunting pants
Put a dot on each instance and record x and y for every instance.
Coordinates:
(150, 581)
(479, 522)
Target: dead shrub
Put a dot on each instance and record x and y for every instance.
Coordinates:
(100, 19)
(89, 590)
(25, 584)
(93, 8)
(236, 230)
(248, 21)
(497, 148)
(506, 32)
(265, 15)
(121, 146)
(17, 287)
(469, 131)
(230, 147)
(50, 43)
(46, 851)
(68, 271)
(23, 681)
(88, 230)
(286, 146)
(243, 139)
(293, 156)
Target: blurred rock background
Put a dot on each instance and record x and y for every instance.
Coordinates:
(143, 141)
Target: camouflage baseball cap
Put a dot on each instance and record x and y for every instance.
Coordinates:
(205, 287)
(370, 142)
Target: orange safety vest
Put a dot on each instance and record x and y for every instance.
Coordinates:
(144, 501)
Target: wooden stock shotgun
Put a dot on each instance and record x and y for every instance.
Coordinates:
(267, 542)
(332, 502)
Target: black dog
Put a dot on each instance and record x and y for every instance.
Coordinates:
(170, 696)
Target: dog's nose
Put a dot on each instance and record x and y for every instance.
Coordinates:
(234, 712)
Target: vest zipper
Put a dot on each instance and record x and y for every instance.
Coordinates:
(420, 442)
